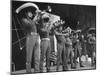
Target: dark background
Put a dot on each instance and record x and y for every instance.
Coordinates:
(75, 16)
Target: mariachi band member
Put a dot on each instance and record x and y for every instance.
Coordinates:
(32, 37)
(77, 48)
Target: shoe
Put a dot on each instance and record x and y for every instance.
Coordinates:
(81, 65)
(65, 70)
(41, 71)
(93, 65)
(28, 72)
(48, 70)
(73, 67)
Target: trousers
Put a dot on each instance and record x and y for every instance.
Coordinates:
(32, 47)
(60, 50)
(45, 54)
(68, 55)
(77, 52)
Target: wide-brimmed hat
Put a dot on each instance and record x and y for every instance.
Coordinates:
(78, 31)
(27, 5)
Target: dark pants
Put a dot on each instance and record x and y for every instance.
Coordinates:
(77, 52)
(60, 48)
(68, 55)
(45, 53)
(32, 46)
(93, 54)
(84, 50)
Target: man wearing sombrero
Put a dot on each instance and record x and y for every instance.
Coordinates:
(77, 48)
(32, 39)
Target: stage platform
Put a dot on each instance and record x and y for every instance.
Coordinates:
(87, 66)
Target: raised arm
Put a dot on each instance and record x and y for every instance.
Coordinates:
(58, 33)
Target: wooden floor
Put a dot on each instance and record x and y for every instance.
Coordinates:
(87, 66)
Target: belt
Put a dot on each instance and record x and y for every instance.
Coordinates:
(45, 39)
(33, 33)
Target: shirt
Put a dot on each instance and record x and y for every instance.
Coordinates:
(28, 25)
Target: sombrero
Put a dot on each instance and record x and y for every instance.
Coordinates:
(25, 6)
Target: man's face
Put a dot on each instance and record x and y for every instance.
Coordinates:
(30, 14)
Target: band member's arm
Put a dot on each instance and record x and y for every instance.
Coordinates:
(58, 33)
(25, 20)
(37, 17)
